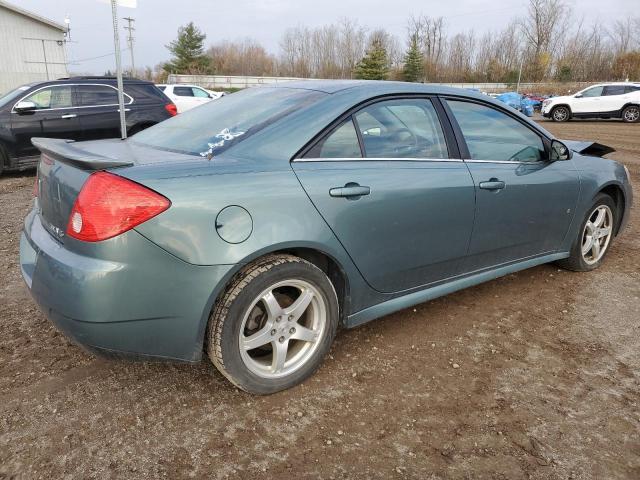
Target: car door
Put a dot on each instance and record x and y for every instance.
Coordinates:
(185, 100)
(524, 202)
(588, 101)
(200, 96)
(389, 182)
(614, 98)
(99, 111)
(54, 116)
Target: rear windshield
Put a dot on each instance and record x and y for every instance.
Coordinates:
(216, 126)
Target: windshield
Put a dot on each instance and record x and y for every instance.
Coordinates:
(216, 126)
(12, 95)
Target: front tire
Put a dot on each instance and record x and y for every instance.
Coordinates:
(274, 324)
(631, 114)
(594, 238)
(560, 114)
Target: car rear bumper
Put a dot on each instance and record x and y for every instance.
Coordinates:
(147, 303)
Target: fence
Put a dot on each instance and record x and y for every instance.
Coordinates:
(226, 82)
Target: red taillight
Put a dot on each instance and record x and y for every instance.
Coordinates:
(109, 205)
(171, 108)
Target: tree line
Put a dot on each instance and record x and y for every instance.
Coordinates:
(546, 41)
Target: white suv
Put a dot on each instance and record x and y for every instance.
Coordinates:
(188, 96)
(607, 100)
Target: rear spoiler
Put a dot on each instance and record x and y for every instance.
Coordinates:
(593, 149)
(66, 152)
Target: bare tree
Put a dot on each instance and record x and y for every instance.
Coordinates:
(622, 35)
(432, 38)
(544, 28)
(244, 57)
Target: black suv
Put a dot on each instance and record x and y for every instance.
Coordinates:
(79, 108)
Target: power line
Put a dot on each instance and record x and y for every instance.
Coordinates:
(82, 60)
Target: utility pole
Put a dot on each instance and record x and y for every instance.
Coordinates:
(519, 75)
(116, 43)
(130, 39)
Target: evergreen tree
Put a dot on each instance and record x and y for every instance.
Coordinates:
(188, 52)
(374, 65)
(413, 69)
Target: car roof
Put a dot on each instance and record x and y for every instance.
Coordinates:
(372, 87)
(611, 84)
(88, 80)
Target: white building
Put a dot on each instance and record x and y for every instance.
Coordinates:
(32, 48)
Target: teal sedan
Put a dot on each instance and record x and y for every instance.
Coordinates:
(254, 227)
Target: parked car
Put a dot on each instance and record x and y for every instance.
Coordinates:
(79, 108)
(187, 97)
(253, 227)
(607, 100)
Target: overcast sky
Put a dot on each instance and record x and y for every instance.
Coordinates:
(157, 21)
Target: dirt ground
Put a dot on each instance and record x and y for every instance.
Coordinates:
(547, 384)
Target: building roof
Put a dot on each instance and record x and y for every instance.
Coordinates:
(32, 15)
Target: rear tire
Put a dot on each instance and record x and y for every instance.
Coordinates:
(274, 324)
(631, 114)
(138, 128)
(4, 159)
(560, 114)
(594, 237)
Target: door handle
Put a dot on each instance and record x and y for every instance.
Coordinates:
(69, 115)
(351, 190)
(493, 184)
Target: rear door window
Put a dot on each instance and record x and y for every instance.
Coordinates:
(402, 128)
(492, 135)
(183, 91)
(341, 143)
(98, 95)
(614, 90)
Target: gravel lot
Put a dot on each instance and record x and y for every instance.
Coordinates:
(534, 375)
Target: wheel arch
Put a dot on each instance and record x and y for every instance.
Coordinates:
(628, 104)
(553, 107)
(138, 127)
(312, 253)
(5, 158)
(616, 192)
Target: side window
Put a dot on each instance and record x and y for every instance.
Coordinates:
(161, 87)
(183, 91)
(53, 97)
(97, 95)
(406, 128)
(493, 135)
(198, 92)
(631, 88)
(341, 143)
(614, 90)
(593, 92)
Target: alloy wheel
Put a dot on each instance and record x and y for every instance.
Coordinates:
(282, 328)
(597, 234)
(632, 114)
(560, 114)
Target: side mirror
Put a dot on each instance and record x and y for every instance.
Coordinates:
(23, 107)
(559, 151)
(578, 95)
